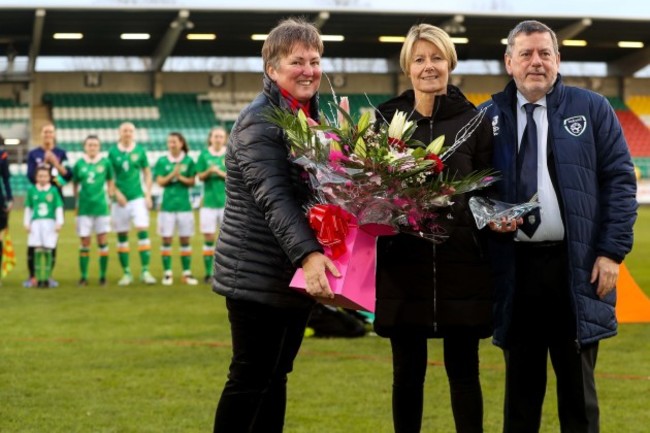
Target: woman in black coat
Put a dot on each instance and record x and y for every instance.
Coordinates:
(265, 236)
(436, 291)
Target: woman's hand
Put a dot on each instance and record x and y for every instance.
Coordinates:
(505, 225)
(314, 267)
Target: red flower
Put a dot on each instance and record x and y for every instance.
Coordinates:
(396, 142)
(437, 165)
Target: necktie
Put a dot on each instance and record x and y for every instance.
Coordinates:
(527, 170)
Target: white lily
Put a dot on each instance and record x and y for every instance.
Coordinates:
(436, 145)
(399, 125)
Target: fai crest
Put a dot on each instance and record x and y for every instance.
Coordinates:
(575, 125)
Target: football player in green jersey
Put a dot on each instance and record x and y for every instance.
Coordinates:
(43, 219)
(56, 159)
(93, 176)
(211, 170)
(175, 173)
(132, 203)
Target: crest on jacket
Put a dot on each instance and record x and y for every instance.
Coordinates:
(575, 125)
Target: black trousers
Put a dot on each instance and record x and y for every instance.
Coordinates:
(409, 370)
(543, 324)
(265, 341)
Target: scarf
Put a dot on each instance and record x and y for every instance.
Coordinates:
(294, 104)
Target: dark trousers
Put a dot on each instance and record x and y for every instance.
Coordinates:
(543, 324)
(265, 341)
(409, 370)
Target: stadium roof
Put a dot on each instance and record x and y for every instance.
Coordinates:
(29, 33)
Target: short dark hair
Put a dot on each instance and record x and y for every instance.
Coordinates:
(92, 137)
(528, 27)
(285, 35)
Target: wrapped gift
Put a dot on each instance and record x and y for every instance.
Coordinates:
(353, 254)
(486, 210)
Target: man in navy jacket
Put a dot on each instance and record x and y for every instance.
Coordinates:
(555, 288)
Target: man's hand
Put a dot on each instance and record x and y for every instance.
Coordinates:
(605, 271)
(505, 225)
(149, 202)
(314, 267)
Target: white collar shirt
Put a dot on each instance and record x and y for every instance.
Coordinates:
(551, 227)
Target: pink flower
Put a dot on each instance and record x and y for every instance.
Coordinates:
(333, 136)
(413, 221)
(336, 156)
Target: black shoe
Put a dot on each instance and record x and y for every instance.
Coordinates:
(83, 282)
(102, 282)
(40, 284)
(207, 279)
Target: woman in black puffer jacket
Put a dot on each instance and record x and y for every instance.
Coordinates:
(265, 236)
(436, 291)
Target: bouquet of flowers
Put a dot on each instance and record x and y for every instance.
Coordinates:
(387, 180)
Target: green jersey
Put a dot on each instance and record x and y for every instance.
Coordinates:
(214, 186)
(126, 168)
(176, 195)
(92, 177)
(43, 203)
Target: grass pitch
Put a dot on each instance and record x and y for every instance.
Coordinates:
(154, 359)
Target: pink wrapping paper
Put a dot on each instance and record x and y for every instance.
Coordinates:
(355, 289)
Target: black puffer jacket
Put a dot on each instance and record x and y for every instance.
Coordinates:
(265, 234)
(437, 290)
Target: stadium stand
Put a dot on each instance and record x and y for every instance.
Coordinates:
(477, 98)
(78, 114)
(14, 119)
(641, 107)
(18, 179)
(634, 115)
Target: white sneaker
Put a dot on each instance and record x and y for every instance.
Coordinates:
(168, 279)
(147, 278)
(190, 280)
(126, 280)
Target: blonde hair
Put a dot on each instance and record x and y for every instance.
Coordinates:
(429, 33)
(285, 36)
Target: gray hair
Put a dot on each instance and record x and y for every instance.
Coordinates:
(528, 27)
